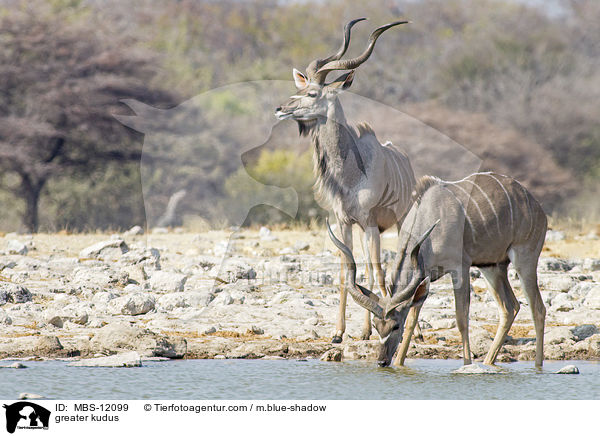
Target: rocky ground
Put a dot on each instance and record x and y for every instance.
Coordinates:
(274, 295)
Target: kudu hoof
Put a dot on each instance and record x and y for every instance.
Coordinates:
(365, 336)
(336, 340)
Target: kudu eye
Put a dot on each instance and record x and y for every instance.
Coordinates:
(312, 94)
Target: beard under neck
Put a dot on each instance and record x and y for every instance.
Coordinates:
(306, 127)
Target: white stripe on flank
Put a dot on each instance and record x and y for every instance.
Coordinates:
(489, 201)
(512, 220)
(399, 180)
(406, 187)
(526, 194)
(472, 175)
(464, 211)
(470, 198)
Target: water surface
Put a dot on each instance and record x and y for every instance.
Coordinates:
(293, 379)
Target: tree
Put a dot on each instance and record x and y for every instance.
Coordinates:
(62, 75)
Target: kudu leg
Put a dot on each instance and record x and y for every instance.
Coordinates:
(526, 267)
(367, 330)
(340, 327)
(418, 334)
(411, 323)
(508, 306)
(462, 301)
(374, 246)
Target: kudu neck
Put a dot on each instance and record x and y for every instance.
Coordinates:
(332, 136)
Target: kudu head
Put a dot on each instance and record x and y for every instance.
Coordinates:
(314, 97)
(389, 312)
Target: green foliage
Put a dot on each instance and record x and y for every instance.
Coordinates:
(282, 168)
(109, 197)
(226, 103)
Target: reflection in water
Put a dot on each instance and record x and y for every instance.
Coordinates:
(292, 379)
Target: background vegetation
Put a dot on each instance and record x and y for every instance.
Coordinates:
(517, 84)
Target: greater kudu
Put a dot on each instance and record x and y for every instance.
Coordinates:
(485, 220)
(362, 181)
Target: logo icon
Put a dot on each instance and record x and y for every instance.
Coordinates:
(26, 415)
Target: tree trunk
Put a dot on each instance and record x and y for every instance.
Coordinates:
(31, 194)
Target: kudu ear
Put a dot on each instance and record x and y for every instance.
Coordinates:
(343, 82)
(418, 298)
(300, 79)
(421, 292)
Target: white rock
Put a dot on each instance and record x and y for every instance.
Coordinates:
(16, 247)
(569, 369)
(557, 283)
(559, 335)
(132, 304)
(222, 299)
(265, 234)
(440, 301)
(592, 298)
(132, 287)
(163, 281)
(555, 235)
(480, 341)
(135, 230)
(54, 319)
(311, 321)
(424, 324)
(309, 336)
(30, 396)
(62, 300)
(562, 303)
(581, 289)
(476, 368)
(15, 365)
(333, 355)
(233, 270)
(444, 323)
(4, 318)
(102, 298)
(126, 360)
(301, 246)
(285, 296)
(591, 264)
(105, 249)
(169, 302)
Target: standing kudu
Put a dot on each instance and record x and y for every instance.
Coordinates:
(485, 220)
(362, 181)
